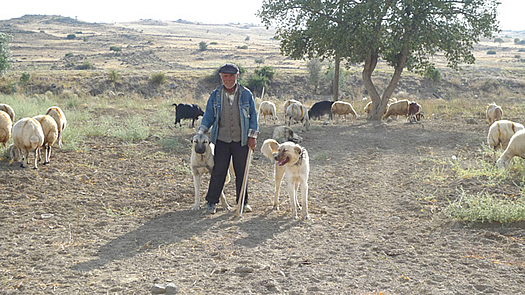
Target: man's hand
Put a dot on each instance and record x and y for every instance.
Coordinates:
(252, 142)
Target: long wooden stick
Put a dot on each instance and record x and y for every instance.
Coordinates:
(240, 205)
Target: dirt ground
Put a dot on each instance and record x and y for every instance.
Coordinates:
(117, 220)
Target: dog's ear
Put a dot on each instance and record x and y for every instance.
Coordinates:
(298, 149)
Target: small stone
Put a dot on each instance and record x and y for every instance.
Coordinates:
(158, 289)
(171, 288)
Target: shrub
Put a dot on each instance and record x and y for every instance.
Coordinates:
(69, 54)
(243, 47)
(115, 48)
(113, 76)
(432, 74)
(24, 78)
(257, 82)
(266, 71)
(71, 36)
(259, 60)
(491, 52)
(157, 79)
(247, 38)
(85, 66)
(203, 46)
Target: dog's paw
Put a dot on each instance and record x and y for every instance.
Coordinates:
(276, 207)
(306, 217)
(196, 208)
(228, 208)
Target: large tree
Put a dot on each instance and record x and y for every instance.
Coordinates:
(6, 59)
(402, 33)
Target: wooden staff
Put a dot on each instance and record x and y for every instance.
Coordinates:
(240, 205)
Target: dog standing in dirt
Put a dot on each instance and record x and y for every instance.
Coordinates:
(201, 162)
(291, 160)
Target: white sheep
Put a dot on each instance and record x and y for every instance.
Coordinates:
(60, 119)
(398, 108)
(501, 131)
(9, 110)
(5, 128)
(286, 105)
(516, 147)
(50, 129)
(341, 108)
(267, 108)
(298, 113)
(494, 113)
(27, 136)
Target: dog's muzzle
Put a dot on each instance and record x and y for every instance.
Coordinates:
(200, 149)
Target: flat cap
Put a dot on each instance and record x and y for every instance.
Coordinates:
(229, 69)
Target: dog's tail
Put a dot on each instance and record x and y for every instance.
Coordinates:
(270, 148)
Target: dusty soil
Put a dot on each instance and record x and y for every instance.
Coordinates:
(117, 220)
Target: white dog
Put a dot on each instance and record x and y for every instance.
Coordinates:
(290, 159)
(201, 162)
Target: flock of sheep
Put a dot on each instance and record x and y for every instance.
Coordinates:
(31, 134)
(295, 111)
(508, 135)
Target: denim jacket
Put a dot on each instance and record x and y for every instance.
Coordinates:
(212, 114)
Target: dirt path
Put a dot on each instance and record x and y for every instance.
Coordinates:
(116, 220)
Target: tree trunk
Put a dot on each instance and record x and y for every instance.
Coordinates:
(379, 103)
(368, 69)
(336, 78)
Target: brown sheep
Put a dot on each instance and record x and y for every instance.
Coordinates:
(341, 108)
(398, 108)
(415, 112)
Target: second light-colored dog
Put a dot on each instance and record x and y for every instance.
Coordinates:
(291, 160)
(285, 133)
(202, 162)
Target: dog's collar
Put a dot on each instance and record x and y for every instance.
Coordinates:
(301, 157)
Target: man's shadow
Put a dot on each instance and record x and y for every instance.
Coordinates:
(174, 227)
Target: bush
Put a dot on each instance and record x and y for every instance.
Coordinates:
(71, 36)
(157, 79)
(24, 78)
(491, 52)
(243, 47)
(113, 76)
(115, 48)
(85, 66)
(432, 74)
(266, 71)
(203, 46)
(257, 82)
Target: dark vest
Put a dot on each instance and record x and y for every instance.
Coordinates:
(230, 119)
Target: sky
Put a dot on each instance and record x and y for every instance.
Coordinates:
(510, 12)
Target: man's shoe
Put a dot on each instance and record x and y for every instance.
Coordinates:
(210, 208)
(247, 208)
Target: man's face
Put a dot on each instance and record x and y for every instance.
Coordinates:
(229, 80)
